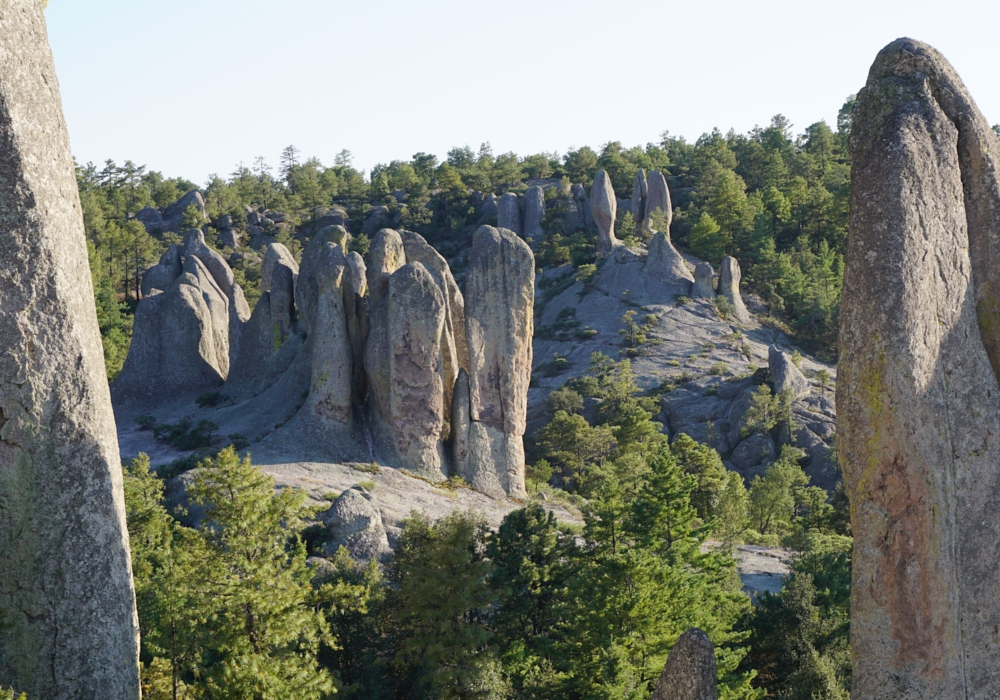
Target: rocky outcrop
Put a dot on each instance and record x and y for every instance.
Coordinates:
(604, 208)
(66, 597)
(657, 200)
(354, 522)
(509, 213)
(461, 422)
(499, 321)
(689, 673)
(638, 202)
(355, 309)
(704, 282)
(534, 213)
(785, 375)
(664, 263)
(306, 285)
(918, 417)
(171, 218)
(729, 287)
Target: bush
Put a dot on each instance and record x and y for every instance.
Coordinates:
(724, 307)
(210, 399)
(565, 399)
(146, 422)
(556, 366)
(367, 485)
(239, 441)
(718, 369)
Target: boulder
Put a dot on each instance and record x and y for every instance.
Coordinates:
(604, 208)
(665, 264)
(355, 522)
(534, 213)
(385, 255)
(223, 222)
(500, 294)
(378, 218)
(704, 282)
(638, 202)
(509, 213)
(785, 375)
(690, 672)
(281, 304)
(178, 502)
(754, 451)
(239, 310)
(162, 275)
(584, 216)
(330, 389)
(657, 199)
(461, 422)
(918, 422)
(729, 287)
(230, 238)
(70, 628)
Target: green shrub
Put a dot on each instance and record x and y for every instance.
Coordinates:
(239, 441)
(146, 422)
(210, 399)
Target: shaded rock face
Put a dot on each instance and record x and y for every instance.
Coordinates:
(499, 321)
(509, 213)
(332, 358)
(70, 627)
(534, 213)
(657, 199)
(604, 208)
(163, 274)
(918, 416)
(704, 282)
(689, 673)
(665, 263)
(239, 310)
(306, 285)
(578, 214)
(489, 209)
(354, 522)
(276, 254)
(729, 287)
(638, 202)
(785, 375)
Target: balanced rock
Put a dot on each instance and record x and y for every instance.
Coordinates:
(785, 375)
(230, 238)
(69, 618)
(657, 200)
(500, 294)
(664, 263)
(604, 208)
(509, 213)
(689, 673)
(729, 287)
(704, 282)
(355, 522)
(918, 421)
(639, 194)
(534, 213)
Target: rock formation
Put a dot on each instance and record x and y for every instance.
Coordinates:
(509, 213)
(489, 210)
(499, 310)
(704, 282)
(689, 673)
(918, 417)
(238, 310)
(534, 213)
(664, 263)
(171, 218)
(332, 360)
(69, 619)
(163, 274)
(729, 287)
(604, 208)
(657, 199)
(639, 191)
(785, 375)
(274, 255)
(578, 214)
(354, 522)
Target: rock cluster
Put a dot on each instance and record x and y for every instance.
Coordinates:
(69, 625)
(918, 417)
(664, 263)
(604, 208)
(704, 282)
(689, 673)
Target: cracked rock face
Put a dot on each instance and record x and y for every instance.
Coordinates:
(918, 419)
(70, 627)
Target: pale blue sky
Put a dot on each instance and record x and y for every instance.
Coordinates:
(191, 87)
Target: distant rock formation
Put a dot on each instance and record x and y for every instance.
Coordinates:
(690, 672)
(657, 200)
(704, 282)
(664, 263)
(918, 416)
(163, 274)
(785, 375)
(489, 210)
(578, 214)
(604, 208)
(729, 287)
(69, 618)
(534, 213)
(354, 522)
(171, 218)
(509, 213)
(639, 193)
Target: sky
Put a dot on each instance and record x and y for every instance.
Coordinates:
(194, 87)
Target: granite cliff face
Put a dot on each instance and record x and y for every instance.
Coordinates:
(918, 414)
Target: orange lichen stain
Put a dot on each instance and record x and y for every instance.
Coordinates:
(906, 584)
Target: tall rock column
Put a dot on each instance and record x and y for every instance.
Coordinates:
(729, 287)
(639, 190)
(331, 386)
(500, 294)
(918, 420)
(509, 213)
(657, 200)
(69, 620)
(534, 214)
(604, 207)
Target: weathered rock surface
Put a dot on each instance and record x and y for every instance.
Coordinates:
(70, 627)
(509, 213)
(330, 390)
(704, 282)
(355, 310)
(238, 309)
(306, 285)
(785, 375)
(729, 287)
(918, 417)
(657, 199)
(274, 255)
(664, 263)
(500, 292)
(163, 274)
(690, 672)
(604, 208)
(354, 522)
(638, 202)
(534, 213)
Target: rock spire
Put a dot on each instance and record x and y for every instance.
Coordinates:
(604, 208)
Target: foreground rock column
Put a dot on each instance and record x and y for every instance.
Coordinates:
(604, 207)
(918, 417)
(500, 295)
(69, 620)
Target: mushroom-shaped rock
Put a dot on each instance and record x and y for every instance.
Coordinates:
(500, 294)
(509, 213)
(918, 421)
(657, 200)
(664, 263)
(704, 282)
(330, 390)
(638, 203)
(604, 208)
(162, 275)
(729, 287)
(785, 375)
(534, 213)
(70, 628)
(689, 673)
(355, 522)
